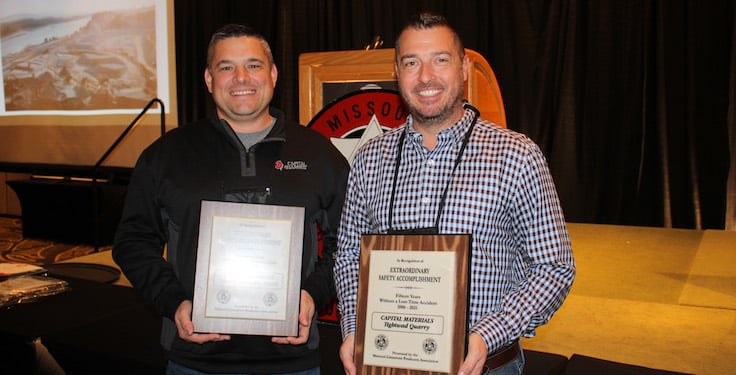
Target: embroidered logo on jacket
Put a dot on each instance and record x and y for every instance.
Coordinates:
(290, 165)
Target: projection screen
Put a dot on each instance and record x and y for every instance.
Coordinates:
(77, 73)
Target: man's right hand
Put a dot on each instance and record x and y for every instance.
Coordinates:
(183, 320)
(346, 355)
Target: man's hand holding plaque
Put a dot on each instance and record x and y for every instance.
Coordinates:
(412, 304)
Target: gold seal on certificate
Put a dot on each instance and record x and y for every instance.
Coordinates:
(412, 304)
(248, 269)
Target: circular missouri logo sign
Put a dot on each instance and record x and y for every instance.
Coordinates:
(353, 119)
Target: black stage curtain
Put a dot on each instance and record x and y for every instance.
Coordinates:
(632, 101)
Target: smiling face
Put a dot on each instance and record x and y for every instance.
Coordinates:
(241, 80)
(431, 72)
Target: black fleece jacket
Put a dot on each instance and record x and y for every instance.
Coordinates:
(206, 161)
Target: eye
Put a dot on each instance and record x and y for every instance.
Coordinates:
(225, 68)
(409, 63)
(442, 60)
(254, 66)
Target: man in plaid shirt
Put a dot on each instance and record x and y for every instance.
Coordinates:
(448, 171)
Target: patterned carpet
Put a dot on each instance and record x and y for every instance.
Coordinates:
(15, 248)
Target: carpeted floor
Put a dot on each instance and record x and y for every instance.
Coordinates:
(15, 248)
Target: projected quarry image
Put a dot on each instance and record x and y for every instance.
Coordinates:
(84, 61)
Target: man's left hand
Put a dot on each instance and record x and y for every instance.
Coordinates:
(476, 358)
(306, 313)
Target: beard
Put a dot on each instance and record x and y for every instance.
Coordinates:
(447, 112)
(437, 118)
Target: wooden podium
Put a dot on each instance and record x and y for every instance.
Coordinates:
(318, 69)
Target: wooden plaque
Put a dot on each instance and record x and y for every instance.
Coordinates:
(412, 304)
(248, 271)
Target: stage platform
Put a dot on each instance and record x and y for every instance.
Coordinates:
(653, 297)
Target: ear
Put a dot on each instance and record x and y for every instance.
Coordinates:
(208, 79)
(466, 67)
(274, 74)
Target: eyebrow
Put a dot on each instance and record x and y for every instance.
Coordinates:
(433, 54)
(247, 61)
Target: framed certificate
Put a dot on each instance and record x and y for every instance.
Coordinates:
(248, 270)
(412, 304)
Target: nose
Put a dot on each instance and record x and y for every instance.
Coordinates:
(241, 74)
(426, 73)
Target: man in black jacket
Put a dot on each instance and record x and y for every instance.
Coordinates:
(249, 153)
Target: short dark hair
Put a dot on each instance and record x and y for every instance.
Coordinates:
(429, 20)
(236, 30)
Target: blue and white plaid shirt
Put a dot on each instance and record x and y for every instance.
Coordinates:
(502, 193)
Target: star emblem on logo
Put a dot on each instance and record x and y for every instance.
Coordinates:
(348, 146)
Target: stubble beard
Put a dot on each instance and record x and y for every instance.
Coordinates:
(445, 116)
